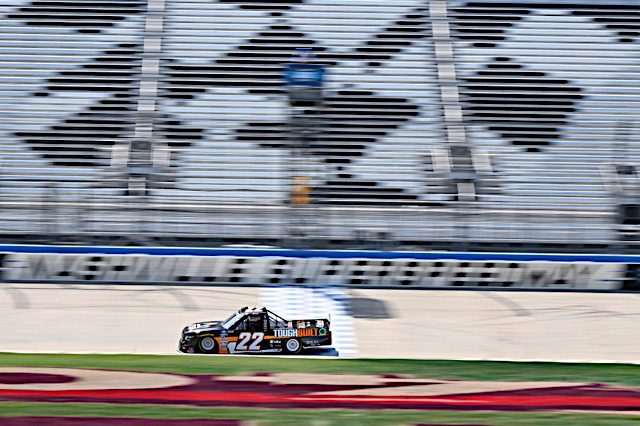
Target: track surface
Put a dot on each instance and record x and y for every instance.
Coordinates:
(503, 325)
(388, 323)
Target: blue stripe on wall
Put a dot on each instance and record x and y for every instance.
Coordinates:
(331, 254)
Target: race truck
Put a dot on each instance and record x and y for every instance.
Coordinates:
(256, 330)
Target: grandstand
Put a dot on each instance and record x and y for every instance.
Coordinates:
(446, 122)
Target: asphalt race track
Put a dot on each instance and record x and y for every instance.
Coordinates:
(383, 323)
(503, 325)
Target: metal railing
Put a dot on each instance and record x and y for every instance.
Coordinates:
(87, 215)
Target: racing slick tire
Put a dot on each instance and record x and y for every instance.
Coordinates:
(293, 346)
(207, 345)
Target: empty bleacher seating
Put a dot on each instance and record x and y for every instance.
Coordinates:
(548, 94)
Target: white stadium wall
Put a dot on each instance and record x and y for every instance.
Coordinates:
(366, 269)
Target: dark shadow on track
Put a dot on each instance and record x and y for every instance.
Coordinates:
(321, 352)
(370, 308)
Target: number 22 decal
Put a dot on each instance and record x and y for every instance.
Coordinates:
(245, 338)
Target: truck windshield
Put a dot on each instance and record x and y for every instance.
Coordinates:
(232, 320)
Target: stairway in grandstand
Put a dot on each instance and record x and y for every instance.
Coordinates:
(548, 92)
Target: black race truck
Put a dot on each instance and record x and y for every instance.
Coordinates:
(255, 330)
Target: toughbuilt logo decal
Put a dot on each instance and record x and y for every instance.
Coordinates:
(321, 271)
(285, 332)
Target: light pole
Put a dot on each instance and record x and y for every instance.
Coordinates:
(304, 81)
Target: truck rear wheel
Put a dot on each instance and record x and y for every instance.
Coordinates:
(293, 346)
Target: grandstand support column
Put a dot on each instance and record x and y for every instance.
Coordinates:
(49, 210)
(147, 149)
(150, 73)
(462, 177)
(622, 180)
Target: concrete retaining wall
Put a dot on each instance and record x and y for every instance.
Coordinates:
(317, 267)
